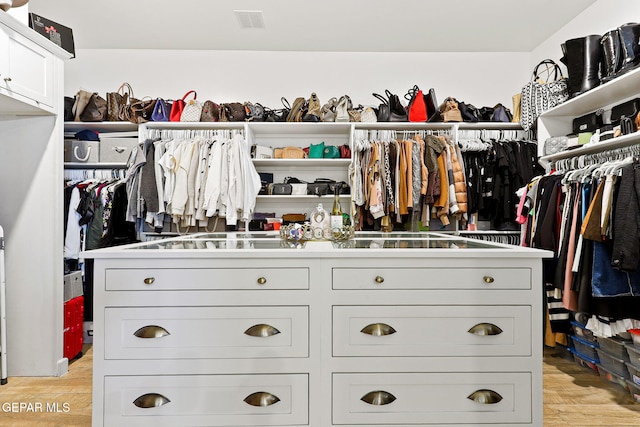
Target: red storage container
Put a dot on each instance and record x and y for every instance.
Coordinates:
(73, 320)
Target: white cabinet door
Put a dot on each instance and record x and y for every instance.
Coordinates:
(26, 70)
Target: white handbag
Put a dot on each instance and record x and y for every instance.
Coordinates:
(192, 111)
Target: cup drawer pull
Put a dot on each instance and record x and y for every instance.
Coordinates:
(485, 329)
(261, 330)
(149, 280)
(261, 398)
(151, 400)
(151, 331)
(485, 397)
(261, 280)
(378, 398)
(378, 329)
(379, 280)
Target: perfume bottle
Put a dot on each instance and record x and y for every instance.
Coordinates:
(320, 222)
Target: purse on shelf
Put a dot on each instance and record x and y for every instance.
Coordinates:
(501, 114)
(254, 112)
(261, 152)
(397, 112)
(298, 110)
(210, 112)
(289, 153)
(316, 151)
(68, 108)
(368, 115)
(192, 110)
(382, 114)
(95, 110)
(81, 100)
(141, 110)
(449, 110)
(468, 112)
(232, 112)
(118, 102)
(627, 109)
(588, 123)
(160, 111)
(417, 108)
(279, 189)
(345, 151)
(331, 152)
(178, 106)
(539, 95)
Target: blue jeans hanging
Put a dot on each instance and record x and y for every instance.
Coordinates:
(610, 282)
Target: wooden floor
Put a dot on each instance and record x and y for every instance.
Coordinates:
(573, 397)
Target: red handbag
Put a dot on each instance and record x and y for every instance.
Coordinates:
(417, 109)
(345, 151)
(178, 106)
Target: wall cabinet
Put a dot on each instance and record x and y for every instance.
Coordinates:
(26, 71)
(31, 184)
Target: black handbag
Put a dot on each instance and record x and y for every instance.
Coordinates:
(397, 112)
(320, 187)
(382, 112)
(627, 109)
(588, 123)
(469, 112)
(280, 189)
(501, 114)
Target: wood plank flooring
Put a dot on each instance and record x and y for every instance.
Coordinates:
(573, 397)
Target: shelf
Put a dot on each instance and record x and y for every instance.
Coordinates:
(302, 128)
(102, 127)
(77, 165)
(302, 197)
(610, 144)
(194, 125)
(610, 93)
(302, 162)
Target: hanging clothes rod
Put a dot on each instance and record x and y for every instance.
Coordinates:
(583, 160)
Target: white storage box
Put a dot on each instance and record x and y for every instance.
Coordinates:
(72, 285)
(76, 151)
(116, 150)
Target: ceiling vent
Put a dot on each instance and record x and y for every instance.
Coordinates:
(250, 18)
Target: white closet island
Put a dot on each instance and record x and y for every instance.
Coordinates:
(247, 329)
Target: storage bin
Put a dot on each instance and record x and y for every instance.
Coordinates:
(612, 377)
(614, 346)
(584, 361)
(581, 332)
(634, 355)
(635, 336)
(634, 389)
(634, 373)
(76, 151)
(612, 363)
(585, 348)
(116, 150)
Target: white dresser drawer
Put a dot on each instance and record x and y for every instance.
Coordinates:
(432, 398)
(384, 278)
(206, 332)
(456, 330)
(159, 279)
(206, 400)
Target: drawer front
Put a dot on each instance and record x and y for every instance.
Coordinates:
(206, 332)
(431, 278)
(486, 398)
(206, 400)
(371, 331)
(206, 278)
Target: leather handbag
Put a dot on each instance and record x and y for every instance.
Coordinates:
(178, 106)
(320, 187)
(68, 108)
(141, 110)
(280, 189)
(468, 112)
(588, 123)
(210, 112)
(345, 151)
(331, 152)
(298, 110)
(118, 103)
(254, 112)
(433, 113)
(382, 113)
(95, 110)
(397, 112)
(316, 151)
(160, 111)
(368, 115)
(417, 108)
(449, 110)
(627, 109)
(232, 112)
(501, 114)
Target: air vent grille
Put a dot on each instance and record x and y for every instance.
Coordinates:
(249, 18)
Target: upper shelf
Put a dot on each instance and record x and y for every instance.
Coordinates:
(612, 92)
(610, 144)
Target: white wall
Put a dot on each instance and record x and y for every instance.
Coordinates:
(602, 16)
(224, 76)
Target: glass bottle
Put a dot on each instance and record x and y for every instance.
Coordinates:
(336, 212)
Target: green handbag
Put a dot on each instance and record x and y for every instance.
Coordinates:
(331, 152)
(316, 151)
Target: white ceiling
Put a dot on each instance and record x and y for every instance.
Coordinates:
(320, 25)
